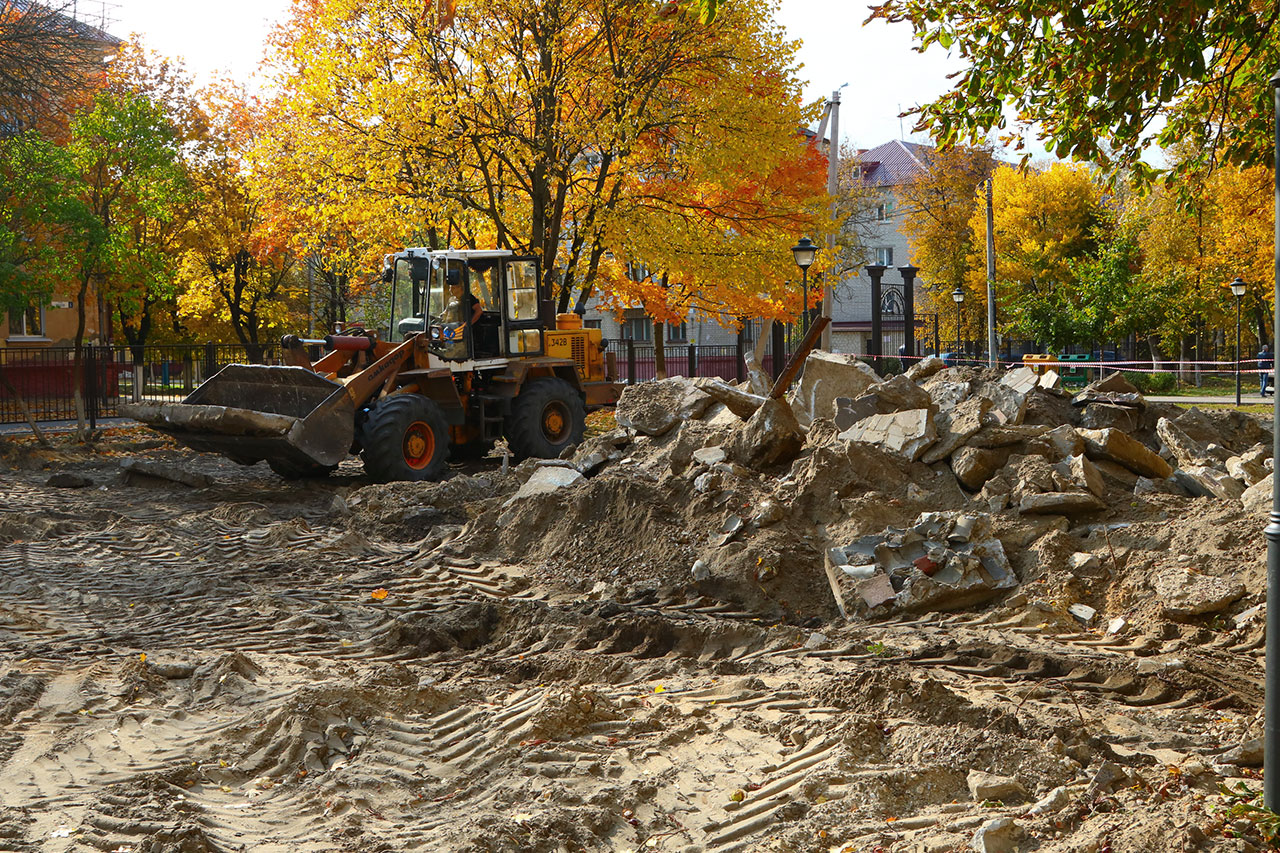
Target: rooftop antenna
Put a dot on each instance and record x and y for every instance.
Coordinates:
(901, 135)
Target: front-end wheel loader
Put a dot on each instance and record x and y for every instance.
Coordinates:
(472, 352)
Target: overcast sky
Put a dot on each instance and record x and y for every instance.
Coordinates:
(883, 73)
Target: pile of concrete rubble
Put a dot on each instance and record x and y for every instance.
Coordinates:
(824, 474)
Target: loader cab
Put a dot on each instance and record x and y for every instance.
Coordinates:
(472, 305)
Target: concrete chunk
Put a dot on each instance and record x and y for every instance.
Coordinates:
(654, 408)
(1060, 503)
(1184, 593)
(772, 436)
(828, 375)
(1115, 446)
(908, 434)
(988, 786)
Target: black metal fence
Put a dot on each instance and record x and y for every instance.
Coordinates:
(43, 378)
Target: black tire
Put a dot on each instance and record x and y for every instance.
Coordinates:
(295, 471)
(546, 417)
(405, 438)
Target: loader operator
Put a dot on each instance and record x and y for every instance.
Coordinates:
(456, 319)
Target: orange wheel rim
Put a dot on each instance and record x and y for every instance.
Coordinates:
(555, 422)
(419, 445)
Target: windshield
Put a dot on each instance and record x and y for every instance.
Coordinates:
(416, 290)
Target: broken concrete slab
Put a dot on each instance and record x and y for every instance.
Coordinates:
(1065, 441)
(1079, 472)
(1148, 486)
(1050, 380)
(1250, 467)
(896, 394)
(654, 408)
(828, 375)
(1185, 594)
(1186, 450)
(1257, 498)
(1107, 416)
(546, 480)
(996, 836)
(1113, 445)
(742, 403)
(957, 427)
(1090, 396)
(973, 466)
(908, 434)
(165, 471)
(1204, 482)
(876, 590)
(772, 436)
(1112, 383)
(985, 786)
(945, 392)
(925, 367)
(1021, 380)
(709, 455)
(1008, 405)
(1060, 503)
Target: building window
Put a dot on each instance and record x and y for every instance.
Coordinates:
(884, 256)
(638, 329)
(749, 332)
(882, 212)
(593, 324)
(30, 323)
(678, 333)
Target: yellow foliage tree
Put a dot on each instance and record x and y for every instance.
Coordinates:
(567, 130)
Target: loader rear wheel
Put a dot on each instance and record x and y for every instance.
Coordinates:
(405, 438)
(546, 417)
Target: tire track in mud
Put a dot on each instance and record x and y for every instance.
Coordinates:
(500, 716)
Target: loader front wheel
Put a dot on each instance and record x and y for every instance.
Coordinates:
(405, 438)
(547, 416)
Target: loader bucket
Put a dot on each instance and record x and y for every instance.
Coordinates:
(252, 412)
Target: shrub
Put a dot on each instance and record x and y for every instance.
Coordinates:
(1153, 383)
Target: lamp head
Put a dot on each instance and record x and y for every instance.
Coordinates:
(1237, 287)
(804, 252)
(958, 295)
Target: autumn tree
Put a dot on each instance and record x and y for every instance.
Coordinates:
(937, 207)
(1044, 221)
(237, 270)
(1102, 81)
(526, 125)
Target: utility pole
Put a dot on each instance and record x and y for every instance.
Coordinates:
(992, 359)
(833, 165)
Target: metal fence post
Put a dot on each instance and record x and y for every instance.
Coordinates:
(210, 359)
(631, 362)
(693, 361)
(779, 347)
(740, 358)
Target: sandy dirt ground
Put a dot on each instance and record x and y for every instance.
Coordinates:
(262, 665)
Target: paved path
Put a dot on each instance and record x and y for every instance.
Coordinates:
(1245, 399)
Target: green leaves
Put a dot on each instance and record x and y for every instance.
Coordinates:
(1098, 78)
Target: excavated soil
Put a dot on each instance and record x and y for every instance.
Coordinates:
(320, 666)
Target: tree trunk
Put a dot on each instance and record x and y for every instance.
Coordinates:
(77, 365)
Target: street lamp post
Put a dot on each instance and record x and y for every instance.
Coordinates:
(1237, 290)
(958, 296)
(1271, 730)
(804, 252)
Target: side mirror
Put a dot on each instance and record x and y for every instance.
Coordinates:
(388, 275)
